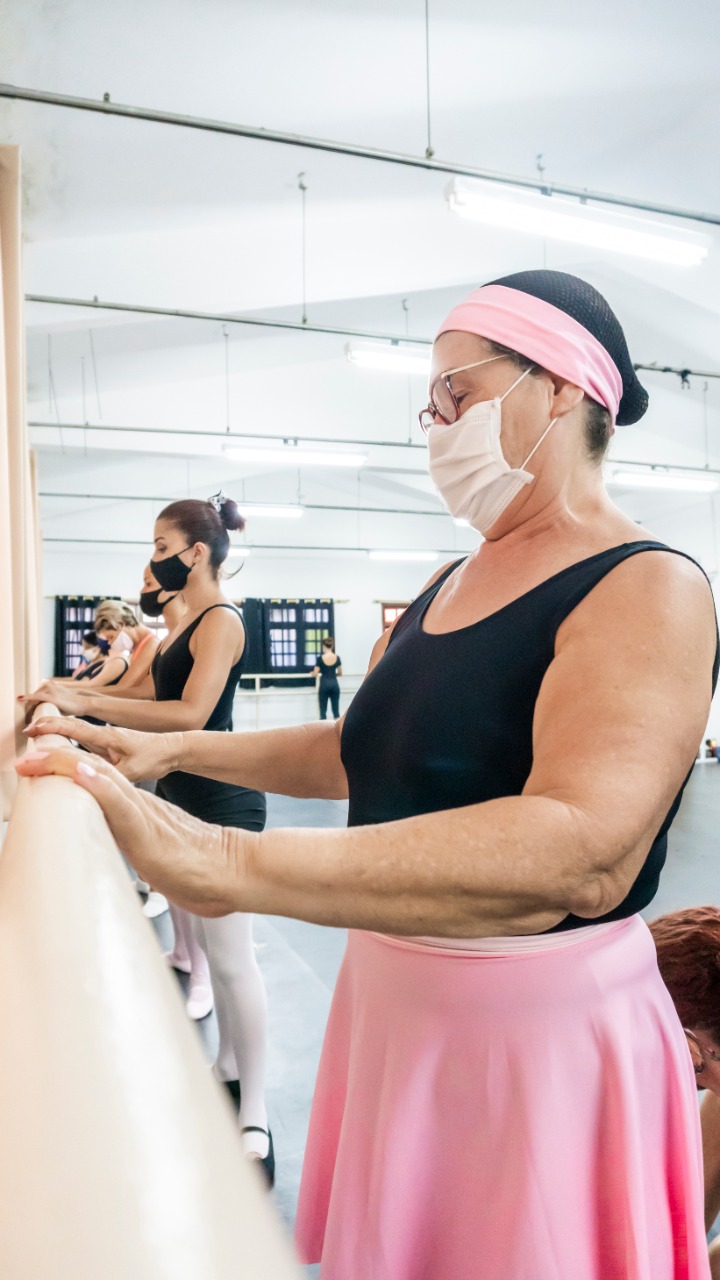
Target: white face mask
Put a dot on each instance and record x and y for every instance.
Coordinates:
(123, 644)
(468, 468)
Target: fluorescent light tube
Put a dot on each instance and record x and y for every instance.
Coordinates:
(235, 552)
(278, 511)
(558, 218)
(392, 357)
(690, 483)
(294, 456)
(403, 555)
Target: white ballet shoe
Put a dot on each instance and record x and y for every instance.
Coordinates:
(142, 886)
(175, 962)
(155, 906)
(200, 1001)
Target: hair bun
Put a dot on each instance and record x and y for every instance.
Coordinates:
(231, 516)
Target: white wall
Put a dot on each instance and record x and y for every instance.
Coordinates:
(355, 581)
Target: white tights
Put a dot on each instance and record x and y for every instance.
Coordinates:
(187, 954)
(241, 1011)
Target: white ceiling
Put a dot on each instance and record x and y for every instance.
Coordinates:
(615, 97)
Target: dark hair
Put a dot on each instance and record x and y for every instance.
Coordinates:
(90, 638)
(206, 522)
(328, 640)
(688, 953)
(598, 423)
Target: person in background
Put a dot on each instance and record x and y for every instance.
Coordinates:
(90, 652)
(688, 953)
(195, 674)
(187, 955)
(115, 621)
(329, 667)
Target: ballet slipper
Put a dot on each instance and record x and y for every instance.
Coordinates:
(200, 1001)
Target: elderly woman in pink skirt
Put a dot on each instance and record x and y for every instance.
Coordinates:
(505, 1092)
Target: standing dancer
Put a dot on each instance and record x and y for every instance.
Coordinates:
(195, 674)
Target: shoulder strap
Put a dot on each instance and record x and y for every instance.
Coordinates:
(138, 647)
(590, 572)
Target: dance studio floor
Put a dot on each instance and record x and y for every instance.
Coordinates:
(300, 961)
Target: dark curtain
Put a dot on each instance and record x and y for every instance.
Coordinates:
(256, 639)
(73, 617)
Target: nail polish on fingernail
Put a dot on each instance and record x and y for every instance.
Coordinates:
(87, 769)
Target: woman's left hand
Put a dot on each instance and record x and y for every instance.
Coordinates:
(198, 866)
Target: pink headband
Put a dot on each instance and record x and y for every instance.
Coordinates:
(545, 334)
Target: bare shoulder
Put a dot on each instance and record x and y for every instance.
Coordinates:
(221, 620)
(220, 629)
(656, 592)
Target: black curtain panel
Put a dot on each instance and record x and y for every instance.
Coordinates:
(288, 636)
(258, 652)
(73, 617)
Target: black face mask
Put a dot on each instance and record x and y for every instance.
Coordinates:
(171, 573)
(150, 604)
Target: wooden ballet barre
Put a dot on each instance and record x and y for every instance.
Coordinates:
(119, 1157)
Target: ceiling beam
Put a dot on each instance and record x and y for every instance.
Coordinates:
(226, 435)
(248, 508)
(106, 107)
(222, 317)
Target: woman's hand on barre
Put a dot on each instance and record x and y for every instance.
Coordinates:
(67, 695)
(194, 863)
(140, 757)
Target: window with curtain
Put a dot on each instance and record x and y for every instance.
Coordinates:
(288, 634)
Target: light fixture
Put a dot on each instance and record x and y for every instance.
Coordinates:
(390, 356)
(559, 218)
(690, 482)
(278, 511)
(235, 552)
(403, 555)
(294, 455)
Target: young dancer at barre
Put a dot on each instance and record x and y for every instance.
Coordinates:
(194, 675)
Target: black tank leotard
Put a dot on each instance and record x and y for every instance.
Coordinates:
(446, 720)
(219, 802)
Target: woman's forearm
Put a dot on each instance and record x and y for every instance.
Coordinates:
(302, 761)
(142, 691)
(140, 713)
(509, 866)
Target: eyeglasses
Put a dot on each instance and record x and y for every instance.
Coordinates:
(443, 402)
(699, 1053)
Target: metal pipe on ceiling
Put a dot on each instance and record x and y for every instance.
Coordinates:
(295, 326)
(267, 546)
(221, 317)
(683, 373)
(429, 163)
(225, 435)
(370, 444)
(248, 509)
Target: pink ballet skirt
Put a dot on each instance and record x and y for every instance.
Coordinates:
(522, 1116)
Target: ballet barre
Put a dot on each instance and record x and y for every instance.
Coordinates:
(119, 1156)
(350, 684)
